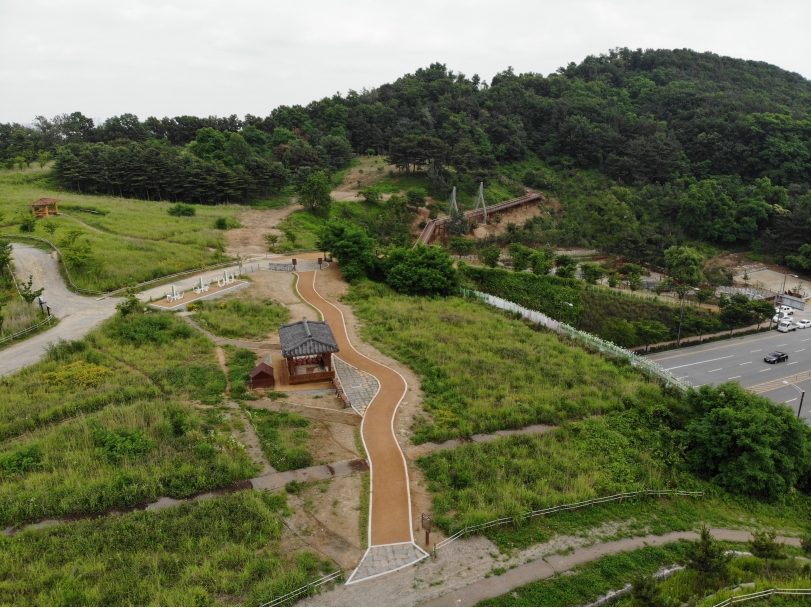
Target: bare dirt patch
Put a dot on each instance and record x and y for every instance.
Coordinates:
(255, 224)
(517, 216)
(326, 520)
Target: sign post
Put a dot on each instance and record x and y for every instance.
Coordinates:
(426, 525)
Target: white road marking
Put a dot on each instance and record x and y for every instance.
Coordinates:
(699, 362)
(747, 363)
(756, 351)
(793, 362)
(790, 400)
(764, 370)
(799, 351)
(806, 340)
(715, 370)
(733, 377)
(780, 345)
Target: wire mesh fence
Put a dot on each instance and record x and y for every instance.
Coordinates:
(305, 591)
(649, 367)
(558, 508)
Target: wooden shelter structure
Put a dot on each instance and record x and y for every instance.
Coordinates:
(45, 207)
(262, 376)
(308, 346)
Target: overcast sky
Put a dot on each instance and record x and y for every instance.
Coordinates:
(202, 57)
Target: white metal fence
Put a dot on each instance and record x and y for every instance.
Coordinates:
(558, 508)
(604, 346)
(757, 595)
(304, 591)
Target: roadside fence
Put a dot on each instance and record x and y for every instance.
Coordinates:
(739, 599)
(604, 346)
(20, 334)
(305, 591)
(556, 509)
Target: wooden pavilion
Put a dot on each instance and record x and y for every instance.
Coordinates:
(308, 346)
(45, 207)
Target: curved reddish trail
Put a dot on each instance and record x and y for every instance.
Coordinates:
(390, 517)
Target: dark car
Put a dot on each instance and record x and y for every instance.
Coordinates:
(775, 357)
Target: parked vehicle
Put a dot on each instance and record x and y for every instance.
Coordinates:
(775, 357)
(786, 325)
(786, 310)
(803, 324)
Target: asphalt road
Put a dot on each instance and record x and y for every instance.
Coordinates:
(741, 360)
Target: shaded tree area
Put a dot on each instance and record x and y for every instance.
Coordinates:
(688, 145)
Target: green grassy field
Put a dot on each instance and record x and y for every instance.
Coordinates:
(107, 422)
(477, 483)
(130, 241)
(240, 317)
(284, 438)
(482, 371)
(223, 551)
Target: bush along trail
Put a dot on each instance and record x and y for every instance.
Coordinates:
(391, 542)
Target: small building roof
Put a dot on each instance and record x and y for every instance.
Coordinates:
(307, 338)
(44, 201)
(262, 368)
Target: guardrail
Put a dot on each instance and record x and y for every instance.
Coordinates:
(306, 590)
(738, 599)
(566, 507)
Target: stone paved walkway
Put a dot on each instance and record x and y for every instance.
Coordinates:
(358, 386)
(386, 558)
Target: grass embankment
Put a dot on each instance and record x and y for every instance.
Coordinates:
(106, 423)
(482, 371)
(240, 317)
(283, 436)
(220, 551)
(590, 307)
(588, 582)
(133, 241)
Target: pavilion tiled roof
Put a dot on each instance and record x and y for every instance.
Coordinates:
(44, 201)
(307, 338)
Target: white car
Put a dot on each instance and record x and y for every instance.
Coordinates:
(803, 323)
(786, 310)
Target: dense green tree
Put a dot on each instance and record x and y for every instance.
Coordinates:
(421, 270)
(744, 442)
(353, 247)
(651, 332)
(592, 272)
(490, 255)
(315, 194)
(708, 558)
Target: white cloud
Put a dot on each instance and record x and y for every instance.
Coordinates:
(214, 57)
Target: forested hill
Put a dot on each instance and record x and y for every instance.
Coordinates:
(722, 145)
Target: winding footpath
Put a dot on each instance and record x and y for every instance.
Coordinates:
(78, 315)
(391, 540)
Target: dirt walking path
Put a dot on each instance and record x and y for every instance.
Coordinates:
(556, 564)
(390, 519)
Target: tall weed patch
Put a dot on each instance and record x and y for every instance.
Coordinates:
(480, 482)
(220, 551)
(241, 318)
(484, 371)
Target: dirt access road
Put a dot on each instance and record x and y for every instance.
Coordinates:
(390, 517)
(78, 314)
